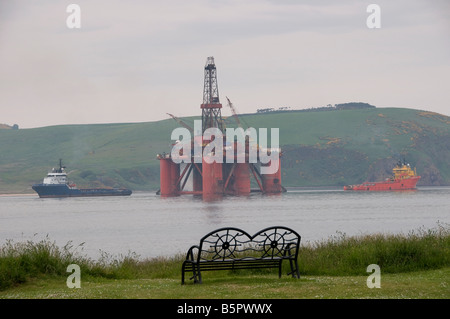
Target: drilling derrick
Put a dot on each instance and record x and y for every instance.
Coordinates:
(213, 176)
(211, 107)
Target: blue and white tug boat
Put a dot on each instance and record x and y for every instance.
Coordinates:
(56, 184)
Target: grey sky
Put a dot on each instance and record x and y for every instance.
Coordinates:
(133, 61)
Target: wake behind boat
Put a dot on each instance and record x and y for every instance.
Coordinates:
(56, 184)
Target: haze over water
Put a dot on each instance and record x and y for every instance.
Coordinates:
(151, 226)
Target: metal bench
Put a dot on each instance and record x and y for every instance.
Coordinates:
(231, 248)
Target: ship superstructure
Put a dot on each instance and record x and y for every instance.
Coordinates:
(56, 176)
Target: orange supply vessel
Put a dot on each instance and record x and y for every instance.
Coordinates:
(403, 178)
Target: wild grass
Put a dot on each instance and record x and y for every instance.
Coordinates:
(340, 255)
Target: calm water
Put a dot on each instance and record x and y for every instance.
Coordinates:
(151, 226)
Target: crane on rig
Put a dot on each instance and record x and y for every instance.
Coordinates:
(233, 110)
(238, 121)
(181, 122)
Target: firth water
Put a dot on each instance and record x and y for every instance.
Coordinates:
(150, 226)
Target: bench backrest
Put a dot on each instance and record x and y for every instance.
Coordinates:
(234, 243)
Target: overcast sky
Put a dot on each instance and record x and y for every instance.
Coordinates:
(133, 61)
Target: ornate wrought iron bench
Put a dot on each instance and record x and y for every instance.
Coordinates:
(232, 248)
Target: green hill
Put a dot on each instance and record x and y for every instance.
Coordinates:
(328, 148)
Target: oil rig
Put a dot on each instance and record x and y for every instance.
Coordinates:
(213, 179)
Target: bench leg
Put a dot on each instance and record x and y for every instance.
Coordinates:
(197, 276)
(294, 269)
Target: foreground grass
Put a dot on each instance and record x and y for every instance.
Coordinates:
(432, 284)
(416, 265)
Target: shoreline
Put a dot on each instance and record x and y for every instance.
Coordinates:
(289, 188)
(17, 194)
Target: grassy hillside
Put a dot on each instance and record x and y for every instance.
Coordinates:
(320, 149)
(352, 146)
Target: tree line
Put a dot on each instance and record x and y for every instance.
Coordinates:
(329, 107)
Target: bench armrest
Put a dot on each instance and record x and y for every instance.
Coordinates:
(190, 253)
(287, 249)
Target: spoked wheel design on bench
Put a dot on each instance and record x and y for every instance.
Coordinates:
(273, 244)
(225, 246)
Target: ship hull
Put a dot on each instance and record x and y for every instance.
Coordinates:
(390, 185)
(49, 191)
